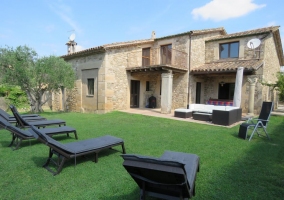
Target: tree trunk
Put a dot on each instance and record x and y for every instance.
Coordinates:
(31, 99)
(35, 101)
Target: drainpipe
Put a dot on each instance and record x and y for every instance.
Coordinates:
(189, 58)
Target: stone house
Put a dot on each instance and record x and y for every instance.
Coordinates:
(176, 70)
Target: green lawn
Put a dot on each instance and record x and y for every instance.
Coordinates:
(230, 167)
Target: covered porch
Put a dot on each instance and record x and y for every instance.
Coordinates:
(214, 83)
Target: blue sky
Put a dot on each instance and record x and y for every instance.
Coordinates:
(45, 25)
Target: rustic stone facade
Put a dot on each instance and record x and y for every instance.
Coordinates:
(111, 68)
(267, 72)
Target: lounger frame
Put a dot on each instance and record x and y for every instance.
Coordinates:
(63, 153)
(18, 135)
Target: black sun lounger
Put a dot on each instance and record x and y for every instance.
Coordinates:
(67, 151)
(18, 135)
(172, 176)
(27, 117)
(23, 115)
(22, 123)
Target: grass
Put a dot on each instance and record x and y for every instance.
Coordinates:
(231, 168)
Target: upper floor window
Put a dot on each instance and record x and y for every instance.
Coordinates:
(145, 56)
(166, 54)
(229, 50)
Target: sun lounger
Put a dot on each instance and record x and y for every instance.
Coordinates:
(67, 151)
(260, 123)
(22, 123)
(18, 135)
(172, 176)
(27, 117)
(2, 112)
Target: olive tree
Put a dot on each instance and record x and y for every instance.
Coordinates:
(279, 85)
(36, 76)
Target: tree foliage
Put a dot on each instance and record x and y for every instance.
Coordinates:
(279, 85)
(14, 95)
(36, 76)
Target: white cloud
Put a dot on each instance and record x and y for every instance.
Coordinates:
(135, 29)
(79, 48)
(218, 10)
(273, 23)
(3, 36)
(65, 13)
(49, 28)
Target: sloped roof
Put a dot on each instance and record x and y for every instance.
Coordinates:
(97, 49)
(271, 29)
(138, 42)
(197, 32)
(103, 48)
(245, 33)
(227, 66)
(129, 43)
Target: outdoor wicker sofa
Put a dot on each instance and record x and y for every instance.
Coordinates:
(218, 114)
(67, 151)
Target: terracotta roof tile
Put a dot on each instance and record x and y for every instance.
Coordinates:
(128, 43)
(245, 33)
(86, 51)
(108, 46)
(197, 32)
(223, 66)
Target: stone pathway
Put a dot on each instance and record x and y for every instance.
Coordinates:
(279, 110)
(156, 112)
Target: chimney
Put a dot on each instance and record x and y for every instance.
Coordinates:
(71, 47)
(71, 44)
(153, 36)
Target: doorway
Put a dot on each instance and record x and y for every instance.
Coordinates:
(198, 92)
(134, 94)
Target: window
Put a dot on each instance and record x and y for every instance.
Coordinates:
(147, 85)
(91, 86)
(229, 50)
(166, 54)
(226, 91)
(146, 57)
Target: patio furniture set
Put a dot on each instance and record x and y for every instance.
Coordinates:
(220, 115)
(172, 176)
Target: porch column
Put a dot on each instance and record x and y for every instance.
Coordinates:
(252, 81)
(166, 93)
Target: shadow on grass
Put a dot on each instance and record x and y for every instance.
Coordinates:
(32, 142)
(40, 161)
(25, 143)
(257, 174)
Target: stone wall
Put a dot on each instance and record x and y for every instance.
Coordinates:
(267, 72)
(198, 57)
(91, 66)
(245, 53)
(116, 79)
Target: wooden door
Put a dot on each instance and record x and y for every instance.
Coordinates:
(166, 54)
(146, 57)
(134, 94)
(198, 92)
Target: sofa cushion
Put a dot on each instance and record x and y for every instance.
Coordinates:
(183, 110)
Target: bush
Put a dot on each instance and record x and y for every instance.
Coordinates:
(14, 95)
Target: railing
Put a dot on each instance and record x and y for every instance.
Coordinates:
(172, 57)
